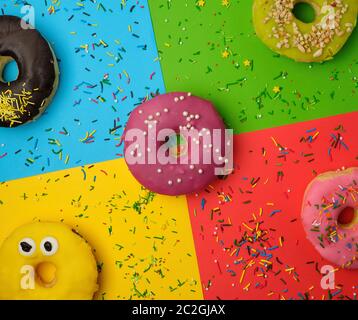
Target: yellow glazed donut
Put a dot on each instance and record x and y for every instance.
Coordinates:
(45, 260)
(277, 26)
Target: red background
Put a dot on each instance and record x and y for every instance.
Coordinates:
(218, 213)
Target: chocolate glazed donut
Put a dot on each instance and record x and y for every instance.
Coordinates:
(24, 99)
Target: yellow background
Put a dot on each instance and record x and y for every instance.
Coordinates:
(143, 242)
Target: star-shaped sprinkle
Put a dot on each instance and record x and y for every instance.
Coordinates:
(276, 89)
(201, 3)
(225, 3)
(247, 63)
(225, 54)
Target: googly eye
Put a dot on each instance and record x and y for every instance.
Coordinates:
(49, 246)
(27, 247)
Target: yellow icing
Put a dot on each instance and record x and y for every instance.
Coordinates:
(69, 273)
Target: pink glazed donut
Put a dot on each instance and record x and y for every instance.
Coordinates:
(330, 216)
(160, 154)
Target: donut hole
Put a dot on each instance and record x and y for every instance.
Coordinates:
(347, 217)
(10, 71)
(177, 145)
(304, 12)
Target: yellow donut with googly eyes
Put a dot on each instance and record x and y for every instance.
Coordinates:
(45, 260)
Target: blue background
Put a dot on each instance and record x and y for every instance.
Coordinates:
(53, 141)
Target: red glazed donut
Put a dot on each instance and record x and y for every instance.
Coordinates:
(330, 216)
(175, 143)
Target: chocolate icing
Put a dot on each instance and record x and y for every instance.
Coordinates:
(37, 68)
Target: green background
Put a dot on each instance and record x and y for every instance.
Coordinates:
(191, 40)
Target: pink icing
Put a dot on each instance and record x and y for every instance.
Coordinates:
(175, 110)
(325, 198)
